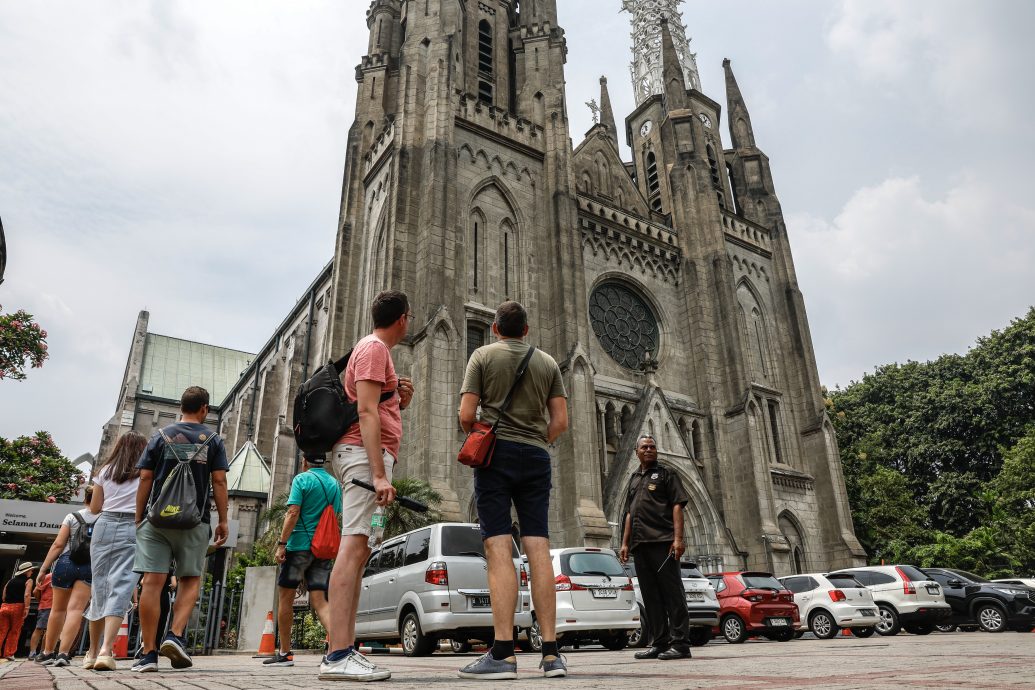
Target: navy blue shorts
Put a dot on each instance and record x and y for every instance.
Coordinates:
(520, 474)
(65, 573)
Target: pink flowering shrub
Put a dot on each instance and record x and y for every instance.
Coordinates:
(22, 343)
(33, 469)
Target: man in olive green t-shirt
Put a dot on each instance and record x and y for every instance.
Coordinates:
(520, 474)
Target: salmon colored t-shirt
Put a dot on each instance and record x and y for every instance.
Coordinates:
(371, 360)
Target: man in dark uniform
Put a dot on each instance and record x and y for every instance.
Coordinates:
(653, 532)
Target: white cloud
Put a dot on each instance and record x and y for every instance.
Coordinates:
(897, 275)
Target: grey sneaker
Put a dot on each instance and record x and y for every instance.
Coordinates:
(354, 666)
(554, 666)
(487, 668)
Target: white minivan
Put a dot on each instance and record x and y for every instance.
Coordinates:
(432, 584)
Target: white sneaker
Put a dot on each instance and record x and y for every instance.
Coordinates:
(354, 667)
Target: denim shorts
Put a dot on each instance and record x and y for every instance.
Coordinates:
(66, 573)
(112, 550)
(301, 565)
(519, 474)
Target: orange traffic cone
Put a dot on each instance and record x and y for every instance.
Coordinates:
(268, 644)
(846, 632)
(121, 648)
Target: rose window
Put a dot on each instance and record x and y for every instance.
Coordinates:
(624, 324)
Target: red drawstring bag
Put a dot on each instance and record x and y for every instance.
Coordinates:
(327, 537)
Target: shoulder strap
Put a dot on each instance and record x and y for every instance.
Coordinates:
(341, 364)
(79, 519)
(522, 368)
(172, 446)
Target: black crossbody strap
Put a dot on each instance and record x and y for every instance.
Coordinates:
(522, 368)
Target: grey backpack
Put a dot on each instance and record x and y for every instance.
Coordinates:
(176, 506)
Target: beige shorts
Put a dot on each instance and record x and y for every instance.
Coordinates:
(357, 504)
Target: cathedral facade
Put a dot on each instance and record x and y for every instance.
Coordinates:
(664, 286)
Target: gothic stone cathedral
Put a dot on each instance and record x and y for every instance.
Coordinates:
(664, 286)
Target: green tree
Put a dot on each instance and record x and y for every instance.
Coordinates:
(399, 520)
(33, 469)
(22, 343)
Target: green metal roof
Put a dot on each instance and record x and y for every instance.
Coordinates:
(172, 365)
(248, 472)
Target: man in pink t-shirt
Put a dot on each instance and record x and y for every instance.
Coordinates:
(368, 451)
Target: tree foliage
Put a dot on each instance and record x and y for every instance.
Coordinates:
(22, 343)
(33, 469)
(937, 455)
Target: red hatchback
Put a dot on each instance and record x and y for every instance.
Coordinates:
(752, 604)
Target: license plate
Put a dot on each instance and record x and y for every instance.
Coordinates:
(694, 596)
(868, 612)
(605, 593)
(480, 602)
(932, 589)
(778, 622)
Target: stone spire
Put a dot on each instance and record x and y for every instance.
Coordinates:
(741, 133)
(647, 68)
(672, 71)
(537, 12)
(607, 114)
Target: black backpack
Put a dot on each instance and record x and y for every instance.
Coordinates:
(79, 545)
(323, 412)
(176, 506)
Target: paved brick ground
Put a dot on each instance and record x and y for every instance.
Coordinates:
(958, 660)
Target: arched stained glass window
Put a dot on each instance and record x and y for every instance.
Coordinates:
(623, 323)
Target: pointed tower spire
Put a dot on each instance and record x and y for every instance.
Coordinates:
(672, 72)
(537, 12)
(647, 68)
(607, 114)
(741, 133)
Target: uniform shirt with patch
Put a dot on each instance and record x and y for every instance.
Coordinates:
(652, 494)
(186, 436)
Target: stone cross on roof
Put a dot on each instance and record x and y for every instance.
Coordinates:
(595, 109)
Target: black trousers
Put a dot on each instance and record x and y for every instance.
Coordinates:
(668, 621)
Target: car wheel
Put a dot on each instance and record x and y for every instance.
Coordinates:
(535, 637)
(888, 624)
(822, 625)
(733, 629)
(864, 632)
(460, 646)
(991, 618)
(636, 637)
(699, 637)
(925, 629)
(414, 641)
(616, 642)
(945, 628)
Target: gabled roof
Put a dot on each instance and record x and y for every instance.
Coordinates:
(249, 474)
(171, 365)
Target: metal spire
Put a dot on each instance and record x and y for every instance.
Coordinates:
(647, 67)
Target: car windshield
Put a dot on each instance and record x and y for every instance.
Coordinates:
(463, 540)
(761, 581)
(913, 574)
(591, 563)
(964, 575)
(689, 570)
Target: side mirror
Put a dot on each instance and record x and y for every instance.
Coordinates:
(955, 583)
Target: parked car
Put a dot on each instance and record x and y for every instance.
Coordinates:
(701, 604)
(432, 584)
(993, 606)
(753, 604)
(907, 598)
(1023, 581)
(595, 599)
(828, 604)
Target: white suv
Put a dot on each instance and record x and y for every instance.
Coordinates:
(595, 599)
(907, 598)
(826, 604)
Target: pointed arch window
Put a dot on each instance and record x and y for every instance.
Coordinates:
(653, 182)
(774, 425)
(713, 166)
(485, 61)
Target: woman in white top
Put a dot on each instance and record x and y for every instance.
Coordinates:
(114, 542)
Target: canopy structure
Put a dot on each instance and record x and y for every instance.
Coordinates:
(249, 473)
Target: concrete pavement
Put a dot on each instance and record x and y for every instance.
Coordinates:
(956, 660)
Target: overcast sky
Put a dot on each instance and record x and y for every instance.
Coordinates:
(186, 158)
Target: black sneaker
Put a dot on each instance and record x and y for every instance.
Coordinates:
(44, 658)
(174, 648)
(148, 663)
(60, 661)
(279, 659)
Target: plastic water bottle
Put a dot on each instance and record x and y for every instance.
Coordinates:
(377, 528)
